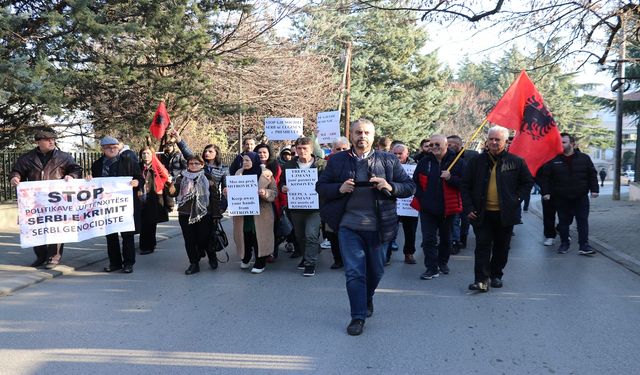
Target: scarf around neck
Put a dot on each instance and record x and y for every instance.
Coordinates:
(194, 186)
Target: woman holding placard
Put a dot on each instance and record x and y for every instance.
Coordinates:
(268, 159)
(253, 235)
(198, 201)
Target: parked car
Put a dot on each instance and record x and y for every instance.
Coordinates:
(627, 177)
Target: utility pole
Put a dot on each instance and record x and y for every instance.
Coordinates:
(621, 85)
(345, 86)
(241, 122)
(347, 107)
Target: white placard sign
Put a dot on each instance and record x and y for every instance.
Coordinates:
(328, 126)
(403, 204)
(59, 211)
(283, 129)
(302, 188)
(242, 195)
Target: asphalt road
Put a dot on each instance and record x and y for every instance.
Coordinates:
(557, 314)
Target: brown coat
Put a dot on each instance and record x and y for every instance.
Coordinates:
(264, 221)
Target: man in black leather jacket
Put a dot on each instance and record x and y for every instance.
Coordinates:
(45, 162)
(567, 179)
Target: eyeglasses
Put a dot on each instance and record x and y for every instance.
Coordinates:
(342, 149)
(434, 144)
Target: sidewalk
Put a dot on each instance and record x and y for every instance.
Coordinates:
(16, 274)
(614, 227)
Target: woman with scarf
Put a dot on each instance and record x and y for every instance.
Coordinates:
(268, 159)
(253, 235)
(198, 201)
(154, 209)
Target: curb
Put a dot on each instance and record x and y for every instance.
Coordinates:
(603, 248)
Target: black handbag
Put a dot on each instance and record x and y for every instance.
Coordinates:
(219, 240)
(284, 227)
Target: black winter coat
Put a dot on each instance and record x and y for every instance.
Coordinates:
(341, 167)
(513, 180)
(569, 181)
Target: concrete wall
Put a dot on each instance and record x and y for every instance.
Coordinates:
(9, 217)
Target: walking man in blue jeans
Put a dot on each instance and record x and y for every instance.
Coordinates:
(358, 192)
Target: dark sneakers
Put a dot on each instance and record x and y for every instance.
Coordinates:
(444, 269)
(355, 327)
(111, 268)
(193, 268)
(564, 248)
(496, 282)
(309, 271)
(38, 262)
(587, 250)
(429, 274)
(479, 287)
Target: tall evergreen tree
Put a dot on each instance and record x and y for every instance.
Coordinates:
(402, 90)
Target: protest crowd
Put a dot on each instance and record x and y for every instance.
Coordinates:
(354, 198)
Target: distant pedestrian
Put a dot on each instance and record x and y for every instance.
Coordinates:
(568, 179)
(603, 176)
(357, 193)
(45, 162)
(114, 164)
(493, 185)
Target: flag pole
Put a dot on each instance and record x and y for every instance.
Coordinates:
(475, 134)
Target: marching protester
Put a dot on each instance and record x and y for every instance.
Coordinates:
(424, 150)
(338, 145)
(172, 157)
(268, 159)
(198, 200)
(45, 162)
(460, 226)
(114, 164)
(493, 185)
(306, 222)
(568, 179)
(248, 144)
(154, 209)
(384, 144)
(357, 192)
(438, 201)
(253, 234)
(409, 223)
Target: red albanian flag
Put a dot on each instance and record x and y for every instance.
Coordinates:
(160, 122)
(160, 172)
(522, 109)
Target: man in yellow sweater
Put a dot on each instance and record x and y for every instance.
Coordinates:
(493, 185)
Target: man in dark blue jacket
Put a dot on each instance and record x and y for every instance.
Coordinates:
(567, 179)
(438, 195)
(493, 185)
(358, 192)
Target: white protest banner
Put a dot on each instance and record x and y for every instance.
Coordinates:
(59, 211)
(328, 126)
(302, 188)
(283, 129)
(242, 195)
(403, 204)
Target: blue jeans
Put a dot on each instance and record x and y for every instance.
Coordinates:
(363, 256)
